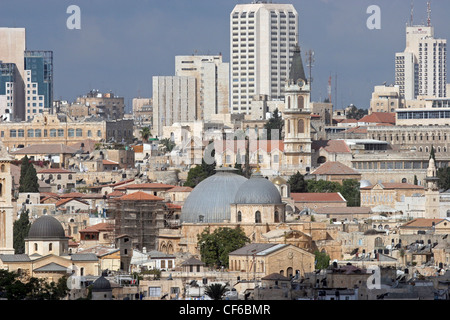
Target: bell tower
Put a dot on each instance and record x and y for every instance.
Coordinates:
(297, 119)
(6, 206)
(432, 196)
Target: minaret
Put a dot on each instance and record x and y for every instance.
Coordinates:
(432, 196)
(297, 119)
(6, 206)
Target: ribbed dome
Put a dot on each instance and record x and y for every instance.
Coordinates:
(101, 284)
(258, 190)
(212, 197)
(46, 227)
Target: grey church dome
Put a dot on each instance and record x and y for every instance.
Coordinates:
(258, 190)
(46, 227)
(101, 284)
(210, 200)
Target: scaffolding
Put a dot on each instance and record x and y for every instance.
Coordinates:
(140, 220)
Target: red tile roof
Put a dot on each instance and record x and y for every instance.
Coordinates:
(335, 168)
(140, 196)
(421, 223)
(379, 117)
(99, 227)
(317, 197)
(64, 201)
(331, 146)
(109, 162)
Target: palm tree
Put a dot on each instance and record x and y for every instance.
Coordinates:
(167, 144)
(216, 291)
(145, 134)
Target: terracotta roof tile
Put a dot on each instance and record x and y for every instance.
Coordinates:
(46, 149)
(421, 223)
(335, 168)
(181, 189)
(379, 117)
(331, 146)
(317, 197)
(140, 196)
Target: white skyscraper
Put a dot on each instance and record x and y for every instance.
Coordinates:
(421, 70)
(212, 75)
(263, 37)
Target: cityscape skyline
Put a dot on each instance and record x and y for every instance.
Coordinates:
(129, 44)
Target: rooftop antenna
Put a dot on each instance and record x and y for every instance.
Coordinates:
(429, 13)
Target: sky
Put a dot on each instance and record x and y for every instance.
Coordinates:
(122, 44)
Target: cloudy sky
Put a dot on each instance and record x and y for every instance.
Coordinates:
(122, 44)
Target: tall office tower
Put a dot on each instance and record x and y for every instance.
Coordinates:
(421, 70)
(174, 100)
(263, 38)
(38, 82)
(7, 90)
(212, 76)
(12, 49)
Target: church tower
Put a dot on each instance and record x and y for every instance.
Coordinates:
(6, 206)
(297, 119)
(432, 196)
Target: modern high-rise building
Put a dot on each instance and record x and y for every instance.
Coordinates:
(174, 100)
(212, 75)
(31, 90)
(38, 82)
(421, 70)
(12, 49)
(263, 37)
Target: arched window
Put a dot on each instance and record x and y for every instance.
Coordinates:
(35, 247)
(301, 126)
(50, 246)
(289, 102)
(378, 242)
(277, 216)
(301, 102)
(257, 217)
(289, 126)
(239, 216)
(404, 180)
(2, 168)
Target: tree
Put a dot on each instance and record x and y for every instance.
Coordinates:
(297, 183)
(200, 172)
(416, 181)
(215, 247)
(322, 186)
(145, 134)
(322, 260)
(28, 181)
(354, 113)
(350, 191)
(20, 231)
(13, 288)
(274, 123)
(167, 144)
(216, 291)
(444, 178)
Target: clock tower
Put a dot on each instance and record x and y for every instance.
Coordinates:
(297, 119)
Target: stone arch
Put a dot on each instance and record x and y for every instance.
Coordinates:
(258, 217)
(300, 102)
(301, 126)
